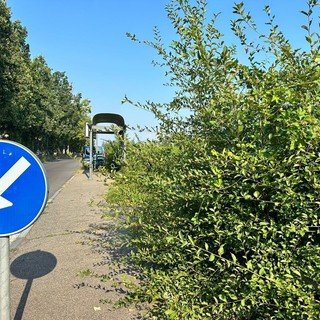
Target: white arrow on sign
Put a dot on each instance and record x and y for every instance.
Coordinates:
(10, 177)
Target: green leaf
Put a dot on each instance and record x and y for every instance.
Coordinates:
(169, 239)
(256, 194)
(191, 240)
(221, 250)
(309, 39)
(295, 271)
(233, 296)
(262, 271)
(222, 297)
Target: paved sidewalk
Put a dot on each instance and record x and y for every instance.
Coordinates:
(45, 267)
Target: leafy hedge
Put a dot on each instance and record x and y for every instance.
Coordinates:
(224, 215)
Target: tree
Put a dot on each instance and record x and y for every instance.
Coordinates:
(224, 212)
(83, 109)
(38, 107)
(14, 74)
(58, 115)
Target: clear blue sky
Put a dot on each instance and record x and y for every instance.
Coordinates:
(86, 39)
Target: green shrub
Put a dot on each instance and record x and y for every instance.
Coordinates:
(224, 206)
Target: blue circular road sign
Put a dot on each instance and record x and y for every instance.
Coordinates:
(23, 187)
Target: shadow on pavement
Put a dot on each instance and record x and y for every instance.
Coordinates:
(30, 266)
(86, 172)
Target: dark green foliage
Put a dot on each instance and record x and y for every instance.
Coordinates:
(38, 108)
(224, 205)
(14, 73)
(113, 152)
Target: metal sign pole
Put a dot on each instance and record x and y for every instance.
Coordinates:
(91, 154)
(4, 278)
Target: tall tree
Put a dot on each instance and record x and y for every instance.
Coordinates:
(37, 105)
(14, 73)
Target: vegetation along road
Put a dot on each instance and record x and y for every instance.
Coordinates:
(218, 213)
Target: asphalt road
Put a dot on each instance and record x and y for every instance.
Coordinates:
(58, 172)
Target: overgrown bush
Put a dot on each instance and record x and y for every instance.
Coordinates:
(113, 152)
(224, 217)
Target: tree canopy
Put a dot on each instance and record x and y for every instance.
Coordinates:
(38, 106)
